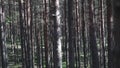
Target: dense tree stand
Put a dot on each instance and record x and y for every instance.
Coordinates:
(59, 34)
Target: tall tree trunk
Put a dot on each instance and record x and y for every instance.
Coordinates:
(70, 30)
(2, 36)
(46, 34)
(57, 45)
(21, 16)
(37, 36)
(92, 38)
(83, 32)
(116, 33)
(103, 59)
(109, 32)
(28, 18)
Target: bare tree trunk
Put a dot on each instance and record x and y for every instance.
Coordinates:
(92, 38)
(3, 37)
(70, 29)
(109, 36)
(116, 33)
(21, 16)
(57, 44)
(28, 18)
(103, 59)
(47, 56)
(83, 32)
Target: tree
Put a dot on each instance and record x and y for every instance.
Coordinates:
(92, 38)
(116, 34)
(46, 34)
(21, 16)
(109, 32)
(83, 31)
(59, 33)
(57, 45)
(3, 36)
(70, 37)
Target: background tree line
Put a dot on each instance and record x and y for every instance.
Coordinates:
(59, 34)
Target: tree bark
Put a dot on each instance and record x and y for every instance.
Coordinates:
(57, 45)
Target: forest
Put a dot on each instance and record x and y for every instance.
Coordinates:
(59, 33)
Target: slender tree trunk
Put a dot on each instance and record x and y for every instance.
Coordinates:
(57, 45)
(21, 15)
(37, 36)
(92, 38)
(70, 27)
(2, 36)
(116, 33)
(83, 32)
(66, 34)
(46, 34)
(29, 24)
(103, 59)
(109, 32)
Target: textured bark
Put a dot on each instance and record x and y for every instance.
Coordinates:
(57, 45)
(28, 21)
